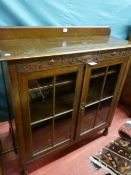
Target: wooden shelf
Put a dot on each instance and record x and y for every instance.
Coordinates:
(51, 117)
(103, 74)
(39, 108)
(98, 101)
(67, 82)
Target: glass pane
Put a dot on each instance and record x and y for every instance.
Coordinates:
(88, 118)
(62, 128)
(66, 78)
(42, 135)
(64, 95)
(98, 71)
(41, 98)
(110, 85)
(95, 89)
(114, 68)
(103, 112)
(111, 81)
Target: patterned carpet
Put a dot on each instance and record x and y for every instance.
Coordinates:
(116, 156)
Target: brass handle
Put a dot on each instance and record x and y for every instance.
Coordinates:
(82, 107)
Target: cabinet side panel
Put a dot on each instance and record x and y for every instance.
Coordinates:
(17, 114)
(126, 93)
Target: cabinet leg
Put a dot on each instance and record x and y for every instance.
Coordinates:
(105, 132)
(24, 172)
(13, 138)
(15, 149)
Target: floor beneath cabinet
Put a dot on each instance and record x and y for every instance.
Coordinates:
(73, 161)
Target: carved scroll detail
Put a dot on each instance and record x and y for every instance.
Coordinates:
(46, 63)
(25, 66)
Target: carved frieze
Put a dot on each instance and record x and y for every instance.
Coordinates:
(48, 63)
(38, 64)
(114, 54)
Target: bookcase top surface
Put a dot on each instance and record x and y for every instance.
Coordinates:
(53, 43)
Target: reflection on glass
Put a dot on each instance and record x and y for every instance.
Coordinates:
(103, 112)
(42, 135)
(41, 98)
(88, 118)
(62, 128)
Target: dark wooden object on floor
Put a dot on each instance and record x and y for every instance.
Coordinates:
(65, 84)
(126, 93)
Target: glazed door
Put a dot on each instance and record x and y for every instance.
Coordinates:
(99, 88)
(50, 99)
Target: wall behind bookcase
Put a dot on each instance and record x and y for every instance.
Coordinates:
(116, 14)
